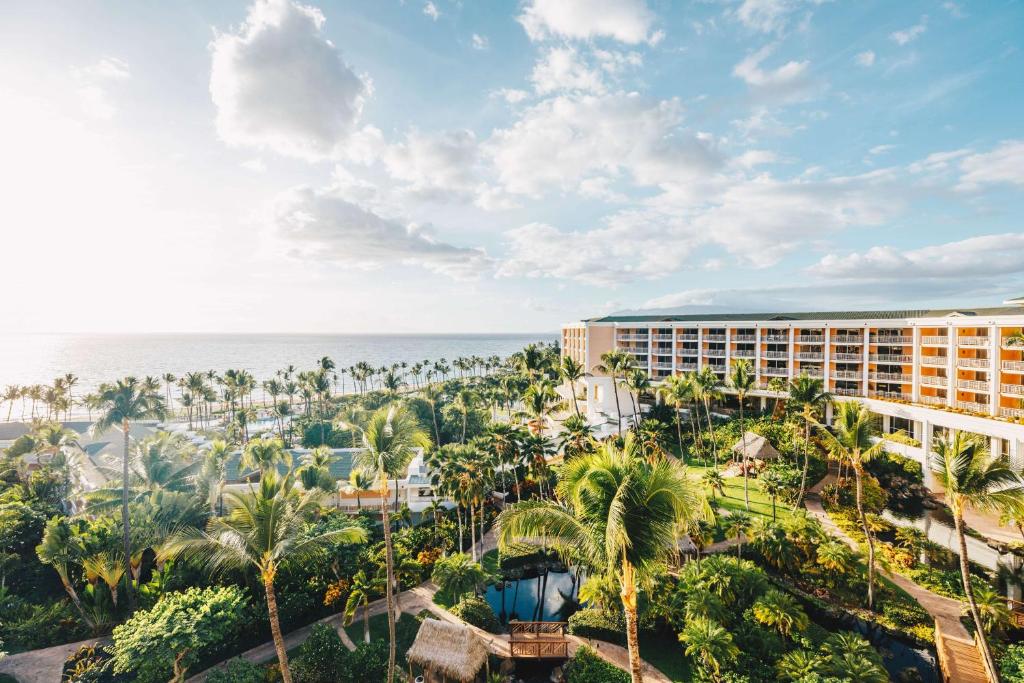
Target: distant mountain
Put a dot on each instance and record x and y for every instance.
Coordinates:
(697, 309)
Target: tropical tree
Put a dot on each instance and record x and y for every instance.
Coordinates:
(572, 372)
(737, 525)
(121, 403)
(62, 547)
(616, 364)
(855, 443)
(465, 401)
(619, 515)
(577, 436)
(637, 382)
(539, 401)
(780, 611)
(741, 378)
(972, 479)
(264, 455)
(808, 395)
(263, 529)
(799, 665)
(458, 575)
(706, 388)
(835, 558)
(714, 480)
(677, 391)
(363, 589)
(710, 643)
(390, 438)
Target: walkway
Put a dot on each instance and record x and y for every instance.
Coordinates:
(42, 666)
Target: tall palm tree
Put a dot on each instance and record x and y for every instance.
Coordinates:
(619, 515)
(540, 400)
(264, 455)
(572, 371)
(637, 383)
(973, 479)
(677, 391)
(808, 395)
(263, 529)
(60, 548)
(432, 394)
(780, 611)
(465, 400)
(706, 388)
(855, 443)
(741, 378)
(12, 392)
(737, 525)
(389, 438)
(120, 404)
(363, 589)
(616, 364)
(710, 643)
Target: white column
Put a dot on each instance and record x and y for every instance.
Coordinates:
(886, 424)
(757, 358)
(1016, 454)
(700, 348)
(993, 366)
(995, 446)
(792, 353)
(674, 349)
(915, 391)
(866, 351)
(951, 368)
(827, 354)
(650, 349)
(926, 447)
(728, 351)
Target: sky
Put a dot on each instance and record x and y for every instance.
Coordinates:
(486, 166)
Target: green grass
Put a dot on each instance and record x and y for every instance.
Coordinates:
(665, 653)
(760, 502)
(490, 562)
(378, 627)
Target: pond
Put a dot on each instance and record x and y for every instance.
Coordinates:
(549, 596)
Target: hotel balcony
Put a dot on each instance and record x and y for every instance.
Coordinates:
(978, 363)
(933, 400)
(813, 374)
(933, 381)
(1011, 412)
(717, 369)
(686, 367)
(973, 406)
(847, 339)
(973, 385)
(743, 353)
(1005, 342)
(778, 355)
(661, 366)
(775, 372)
(941, 340)
(1015, 366)
(849, 357)
(810, 355)
(843, 391)
(973, 341)
(848, 374)
(687, 352)
(631, 337)
(715, 353)
(714, 337)
(686, 337)
(744, 338)
(899, 396)
(1013, 389)
(810, 339)
(776, 338)
(661, 337)
(895, 340)
(891, 377)
(935, 361)
(891, 358)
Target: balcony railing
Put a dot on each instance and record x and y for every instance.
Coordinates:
(661, 337)
(972, 406)
(934, 381)
(632, 337)
(980, 363)
(687, 352)
(894, 339)
(934, 400)
(813, 374)
(849, 357)
(810, 339)
(1016, 389)
(848, 374)
(661, 366)
(744, 338)
(847, 339)
(686, 367)
(973, 341)
(775, 372)
(934, 361)
(776, 354)
(714, 337)
(932, 340)
(1011, 412)
(973, 385)
(1013, 366)
(890, 395)
(1005, 342)
(715, 353)
(686, 337)
(809, 355)
(891, 358)
(743, 353)
(776, 338)
(891, 377)
(843, 391)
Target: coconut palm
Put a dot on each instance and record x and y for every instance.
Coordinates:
(809, 396)
(706, 388)
(162, 462)
(60, 548)
(855, 443)
(637, 383)
(798, 665)
(972, 479)
(616, 364)
(361, 591)
(572, 371)
(710, 643)
(264, 455)
(53, 441)
(540, 400)
(458, 575)
(714, 480)
(359, 481)
(577, 436)
(619, 514)
(263, 529)
(212, 476)
(835, 558)
(677, 391)
(780, 611)
(389, 439)
(120, 404)
(11, 393)
(737, 525)
(465, 401)
(741, 378)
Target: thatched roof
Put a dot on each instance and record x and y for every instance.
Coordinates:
(757, 447)
(452, 650)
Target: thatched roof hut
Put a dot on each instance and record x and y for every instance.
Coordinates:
(758, 447)
(452, 651)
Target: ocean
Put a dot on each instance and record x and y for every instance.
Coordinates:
(95, 358)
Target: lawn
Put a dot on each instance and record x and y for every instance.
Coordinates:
(665, 653)
(379, 629)
(760, 502)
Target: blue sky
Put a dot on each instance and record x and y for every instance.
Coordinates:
(503, 166)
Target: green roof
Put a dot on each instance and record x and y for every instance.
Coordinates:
(810, 315)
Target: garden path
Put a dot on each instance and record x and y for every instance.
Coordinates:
(45, 665)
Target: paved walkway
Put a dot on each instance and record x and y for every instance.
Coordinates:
(43, 666)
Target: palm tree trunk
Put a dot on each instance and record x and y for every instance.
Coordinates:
(125, 523)
(437, 432)
(472, 530)
(618, 410)
(746, 490)
(389, 587)
(679, 433)
(965, 574)
(275, 628)
(465, 418)
(366, 620)
(711, 431)
(629, 604)
(867, 535)
(575, 403)
(807, 462)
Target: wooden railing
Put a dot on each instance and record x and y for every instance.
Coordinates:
(538, 639)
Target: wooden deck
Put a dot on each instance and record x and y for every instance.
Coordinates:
(538, 640)
(960, 660)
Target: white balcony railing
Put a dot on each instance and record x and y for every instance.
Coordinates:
(890, 395)
(934, 381)
(1015, 389)
(1016, 366)
(743, 353)
(973, 385)
(1011, 412)
(687, 352)
(934, 361)
(849, 357)
(775, 372)
(685, 336)
(779, 355)
(843, 391)
(972, 406)
(810, 355)
(744, 337)
(935, 340)
(979, 363)
(933, 400)
(973, 341)
(848, 374)
(661, 366)
(1005, 341)
(810, 339)
(661, 337)
(891, 377)
(631, 337)
(686, 367)
(847, 339)
(715, 353)
(813, 374)
(891, 339)
(775, 338)
(714, 337)
(891, 358)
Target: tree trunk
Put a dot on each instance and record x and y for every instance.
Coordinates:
(575, 403)
(629, 604)
(867, 535)
(618, 410)
(472, 531)
(125, 523)
(965, 574)
(275, 628)
(679, 433)
(437, 432)
(389, 588)
(366, 620)
(458, 513)
(711, 431)
(746, 490)
(807, 462)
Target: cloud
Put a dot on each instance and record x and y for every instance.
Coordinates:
(562, 69)
(955, 9)
(880, 149)
(435, 165)
(430, 9)
(511, 95)
(910, 34)
(279, 84)
(480, 42)
(255, 165)
(1002, 165)
(770, 16)
(865, 59)
(320, 226)
(93, 84)
(788, 80)
(982, 256)
(628, 21)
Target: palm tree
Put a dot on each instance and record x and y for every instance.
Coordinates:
(359, 481)
(464, 401)
(798, 665)
(854, 443)
(741, 377)
(710, 643)
(60, 548)
(263, 529)
(364, 587)
(432, 394)
(52, 440)
(780, 611)
(540, 400)
(835, 557)
(619, 515)
(12, 392)
(706, 386)
(615, 363)
(389, 438)
(677, 391)
(577, 436)
(458, 575)
(972, 479)
(121, 403)
(263, 455)
(772, 484)
(809, 395)
(572, 371)
(737, 525)
(714, 480)
(637, 383)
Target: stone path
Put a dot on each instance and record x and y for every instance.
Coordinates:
(43, 666)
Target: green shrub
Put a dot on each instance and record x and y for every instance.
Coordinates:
(182, 627)
(903, 614)
(599, 625)
(587, 667)
(368, 662)
(27, 626)
(321, 657)
(1011, 666)
(238, 671)
(477, 612)
(520, 556)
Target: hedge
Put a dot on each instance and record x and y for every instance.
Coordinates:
(599, 625)
(587, 667)
(477, 612)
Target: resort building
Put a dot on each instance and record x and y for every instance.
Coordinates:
(923, 372)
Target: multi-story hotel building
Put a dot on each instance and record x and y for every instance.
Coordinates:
(922, 371)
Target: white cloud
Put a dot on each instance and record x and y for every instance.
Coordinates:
(279, 84)
(755, 157)
(937, 162)
(93, 85)
(954, 9)
(320, 226)
(880, 149)
(866, 58)
(434, 165)
(254, 165)
(562, 69)
(1004, 164)
(911, 33)
(985, 255)
(628, 21)
(773, 16)
(480, 42)
(511, 95)
(786, 78)
(430, 9)
(762, 122)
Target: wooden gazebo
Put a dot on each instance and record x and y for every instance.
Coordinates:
(447, 652)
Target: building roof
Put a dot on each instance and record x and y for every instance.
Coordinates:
(758, 447)
(340, 468)
(811, 315)
(452, 650)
